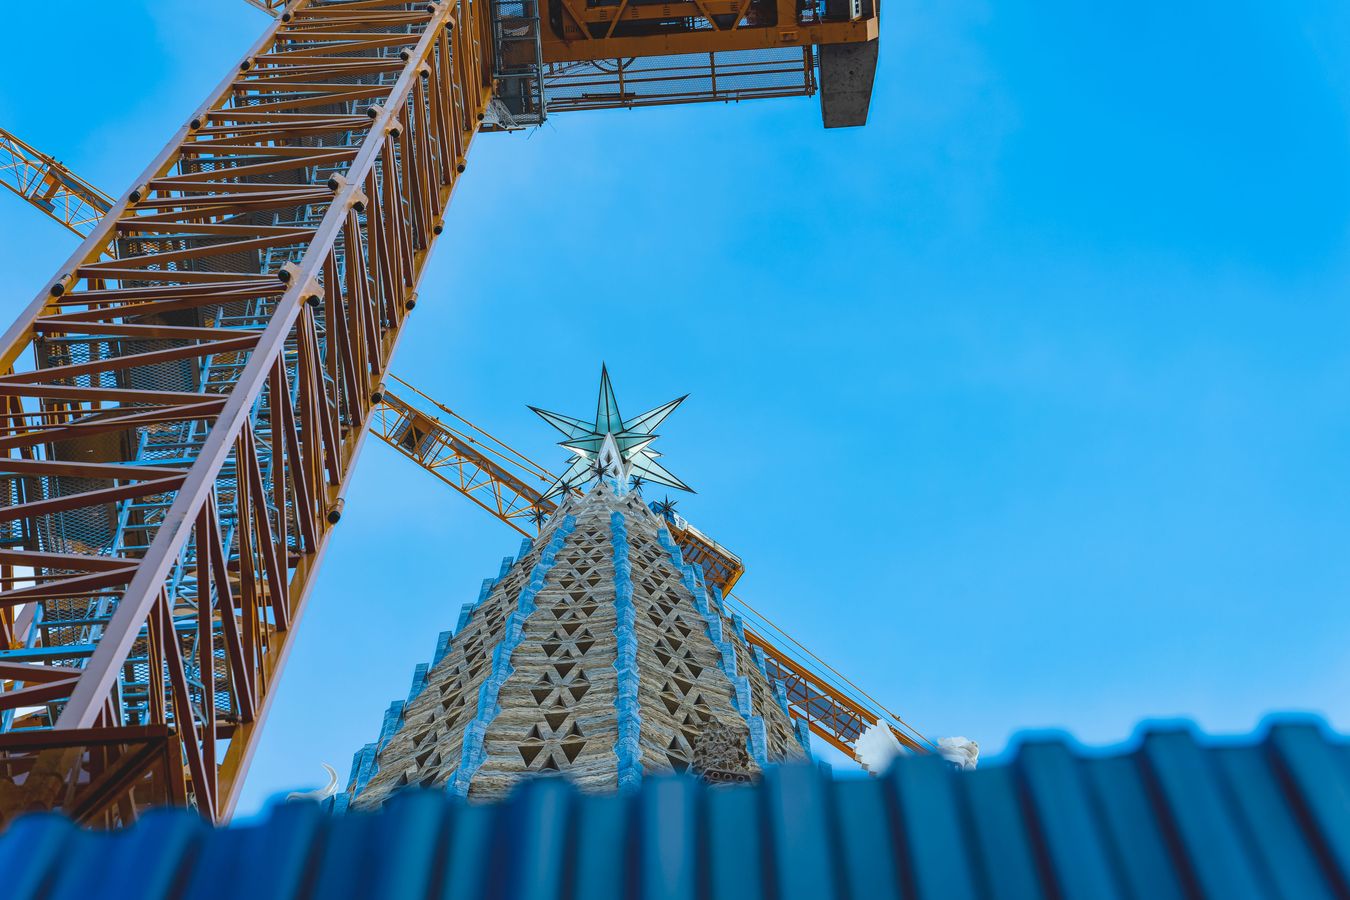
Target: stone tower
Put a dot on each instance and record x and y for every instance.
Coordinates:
(599, 653)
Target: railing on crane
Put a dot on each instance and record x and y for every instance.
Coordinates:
(484, 469)
(562, 55)
(181, 403)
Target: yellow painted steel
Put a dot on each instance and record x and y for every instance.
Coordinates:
(274, 247)
(509, 485)
(271, 7)
(51, 187)
(344, 129)
(578, 46)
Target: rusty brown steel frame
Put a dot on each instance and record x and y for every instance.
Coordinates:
(508, 485)
(383, 99)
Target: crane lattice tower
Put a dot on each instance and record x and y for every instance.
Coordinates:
(599, 653)
(183, 402)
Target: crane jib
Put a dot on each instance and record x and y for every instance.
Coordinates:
(182, 402)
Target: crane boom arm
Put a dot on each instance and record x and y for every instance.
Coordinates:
(47, 184)
(509, 485)
(464, 459)
(830, 712)
(180, 407)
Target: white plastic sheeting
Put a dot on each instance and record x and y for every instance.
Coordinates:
(322, 793)
(877, 747)
(959, 751)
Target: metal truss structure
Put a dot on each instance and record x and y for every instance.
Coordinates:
(199, 377)
(489, 472)
(50, 186)
(271, 7)
(620, 29)
(830, 711)
(582, 54)
(181, 405)
(509, 485)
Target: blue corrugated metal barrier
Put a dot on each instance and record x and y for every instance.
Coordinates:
(1173, 817)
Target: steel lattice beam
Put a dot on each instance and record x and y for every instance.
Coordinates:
(184, 401)
(508, 485)
(202, 373)
(50, 186)
(830, 713)
(512, 493)
(271, 7)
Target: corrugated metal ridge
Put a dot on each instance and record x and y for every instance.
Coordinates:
(1171, 817)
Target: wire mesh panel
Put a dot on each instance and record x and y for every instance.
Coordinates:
(517, 62)
(685, 78)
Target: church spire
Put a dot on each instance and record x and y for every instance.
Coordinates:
(612, 447)
(602, 653)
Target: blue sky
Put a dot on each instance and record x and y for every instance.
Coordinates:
(1027, 405)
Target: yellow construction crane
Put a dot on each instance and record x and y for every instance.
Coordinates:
(44, 182)
(602, 54)
(181, 403)
(510, 486)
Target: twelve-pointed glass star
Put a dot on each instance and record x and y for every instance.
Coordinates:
(631, 439)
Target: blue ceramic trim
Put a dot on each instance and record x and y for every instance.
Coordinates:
(627, 748)
(692, 578)
(474, 752)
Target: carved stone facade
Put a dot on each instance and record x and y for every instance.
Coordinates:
(598, 654)
(720, 756)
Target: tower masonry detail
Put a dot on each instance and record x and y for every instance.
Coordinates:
(599, 654)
